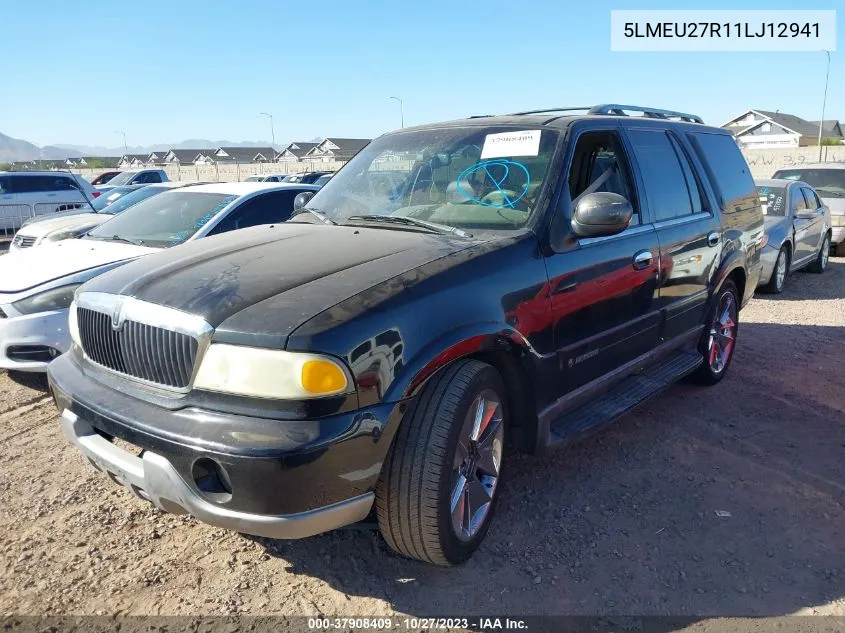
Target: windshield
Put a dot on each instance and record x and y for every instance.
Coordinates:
(254, 179)
(773, 200)
(101, 202)
(468, 177)
(122, 179)
(827, 182)
(133, 197)
(164, 220)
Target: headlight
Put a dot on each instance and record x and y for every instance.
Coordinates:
(55, 299)
(56, 236)
(73, 325)
(266, 373)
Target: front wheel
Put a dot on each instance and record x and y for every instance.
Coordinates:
(779, 273)
(438, 489)
(819, 265)
(719, 338)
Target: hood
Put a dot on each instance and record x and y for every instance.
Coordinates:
(69, 223)
(38, 219)
(836, 205)
(31, 267)
(232, 274)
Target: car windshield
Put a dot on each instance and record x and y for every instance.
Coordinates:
(254, 179)
(133, 197)
(164, 220)
(110, 197)
(773, 200)
(475, 178)
(122, 179)
(827, 182)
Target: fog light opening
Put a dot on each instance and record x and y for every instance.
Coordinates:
(212, 480)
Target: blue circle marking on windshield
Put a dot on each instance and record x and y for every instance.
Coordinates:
(486, 166)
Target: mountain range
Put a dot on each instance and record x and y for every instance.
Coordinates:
(13, 149)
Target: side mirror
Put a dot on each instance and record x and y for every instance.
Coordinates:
(302, 199)
(600, 214)
(806, 214)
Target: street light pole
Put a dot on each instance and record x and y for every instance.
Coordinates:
(401, 110)
(125, 148)
(272, 129)
(824, 102)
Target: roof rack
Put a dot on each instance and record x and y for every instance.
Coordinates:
(615, 109)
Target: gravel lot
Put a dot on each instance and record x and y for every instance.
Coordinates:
(624, 523)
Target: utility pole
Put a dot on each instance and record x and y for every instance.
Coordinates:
(824, 102)
(272, 129)
(401, 111)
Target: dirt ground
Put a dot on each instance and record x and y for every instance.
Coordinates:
(631, 521)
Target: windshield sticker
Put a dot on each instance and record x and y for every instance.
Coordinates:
(525, 143)
(489, 176)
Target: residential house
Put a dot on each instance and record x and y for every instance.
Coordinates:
(156, 158)
(186, 156)
(93, 162)
(243, 155)
(337, 149)
(763, 129)
(132, 161)
(294, 152)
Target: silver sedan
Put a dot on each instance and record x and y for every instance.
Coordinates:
(797, 231)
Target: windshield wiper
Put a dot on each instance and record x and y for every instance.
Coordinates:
(125, 240)
(322, 217)
(401, 219)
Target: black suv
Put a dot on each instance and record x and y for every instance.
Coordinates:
(455, 292)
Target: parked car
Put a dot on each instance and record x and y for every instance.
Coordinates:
(322, 180)
(37, 285)
(105, 177)
(266, 178)
(828, 179)
(136, 177)
(798, 231)
(26, 194)
(98, 203)
(307, 178)
(385, 348)
(73, 224)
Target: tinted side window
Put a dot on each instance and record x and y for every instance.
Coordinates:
(664, 178)
(267, 208)
(796, 199)
(727, 170)
(147, 178)
(599, 164)
(5, 184)
(812, 199)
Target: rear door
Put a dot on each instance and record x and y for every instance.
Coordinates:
(603, 290)
(688, 229)
(9, 211)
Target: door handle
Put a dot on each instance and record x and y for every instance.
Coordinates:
(713, 238)
(642, 260)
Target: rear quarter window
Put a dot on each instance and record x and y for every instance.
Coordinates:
(727, 171)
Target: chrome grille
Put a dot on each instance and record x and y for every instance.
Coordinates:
(147, 352)
(24, 241)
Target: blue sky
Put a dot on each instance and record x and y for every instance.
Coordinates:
(74, 72)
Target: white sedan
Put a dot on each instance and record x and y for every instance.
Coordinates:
(37, 285)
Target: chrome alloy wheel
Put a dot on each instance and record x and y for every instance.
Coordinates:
(825, 253)
(722, 334)
(477, 464)
(780, 270)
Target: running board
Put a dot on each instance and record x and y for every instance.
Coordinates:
(588, 418)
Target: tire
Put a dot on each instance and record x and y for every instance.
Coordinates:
(421, 476)
(777, 283)
(819, 264)
(715, 329)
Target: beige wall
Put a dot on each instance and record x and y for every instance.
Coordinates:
(764, 162)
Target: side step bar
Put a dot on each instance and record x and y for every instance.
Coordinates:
(588, 418)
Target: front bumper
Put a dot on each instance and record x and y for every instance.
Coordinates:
(768, 258)
(25, 340)
(281, 478)
(837, 235)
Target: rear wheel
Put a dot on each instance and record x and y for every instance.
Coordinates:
(779, 273)
(819, 265)
(719, 338)
(438, 489)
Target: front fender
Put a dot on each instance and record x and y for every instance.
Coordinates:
(450, 346)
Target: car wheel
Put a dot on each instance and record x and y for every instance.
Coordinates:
(719, 337)
(819, 264)
(779, 273)
(438, 489)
